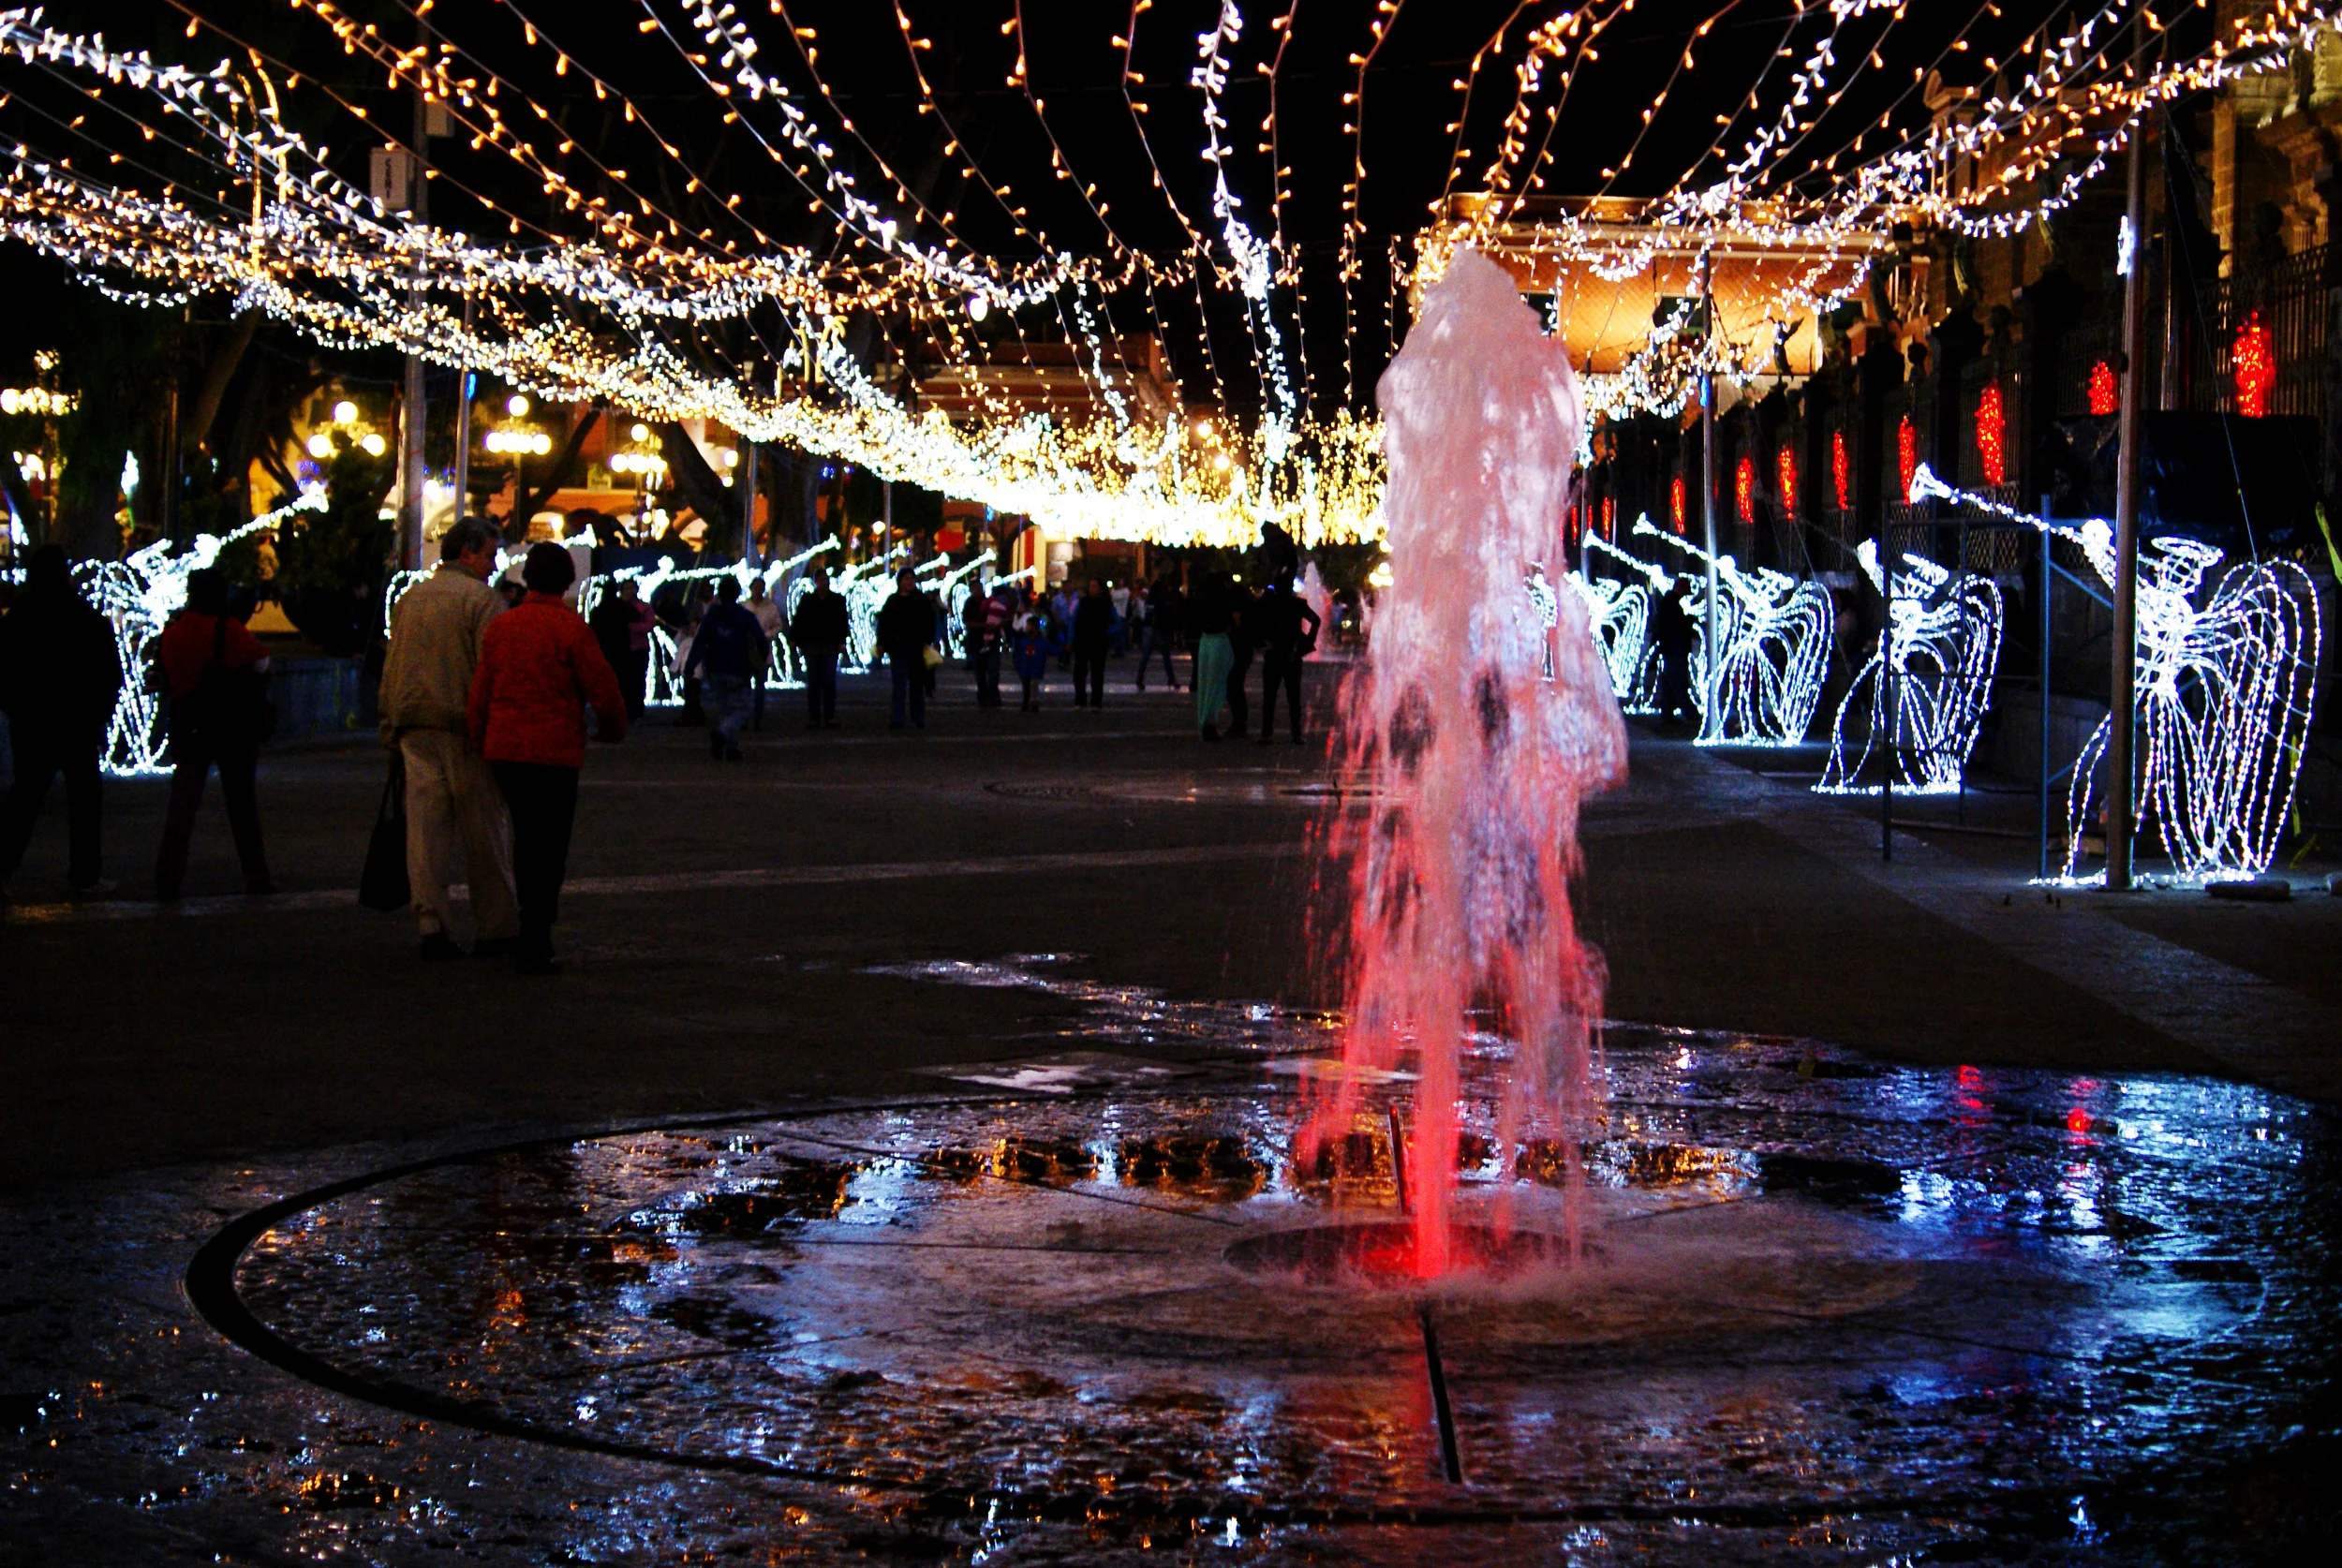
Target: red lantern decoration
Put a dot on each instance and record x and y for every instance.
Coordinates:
(1610, 518)
(1992, 434)
(1675, 501)
(2253, 362)
(1906, 456)
(1785, 470)
(2106, 393)
(1840, 470)
(1745, 489)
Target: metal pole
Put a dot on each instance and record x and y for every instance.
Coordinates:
(1708, 482)
(411, 467)
(2124, 650)
(1892, 705)
(747, 504)
(2047, 577)
(466, 385)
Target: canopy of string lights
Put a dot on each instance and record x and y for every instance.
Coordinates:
(894, 232)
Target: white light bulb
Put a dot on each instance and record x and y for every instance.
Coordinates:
(320, 445)
(640, 433)
(344, 412)
(374, 444)
(516, 406)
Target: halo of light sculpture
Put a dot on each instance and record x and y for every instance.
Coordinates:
(1942, 645)
(2225, 693)
(1775, 635)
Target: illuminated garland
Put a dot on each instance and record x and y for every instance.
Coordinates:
(2254, 367)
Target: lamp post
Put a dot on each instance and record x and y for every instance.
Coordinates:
(2124, 652)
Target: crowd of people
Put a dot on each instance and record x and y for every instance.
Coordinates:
(490, 688)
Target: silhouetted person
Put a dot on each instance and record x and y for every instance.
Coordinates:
(622, 625)
(1164, 611)
(1288, 635)
(60, 673)
(727, 654)
(452, 800)
(906, 629)
(819, 629)
(1671, 630)
(215, 673)
(1093, 631)
(538, 673)
(770, 621)
(1243, 640)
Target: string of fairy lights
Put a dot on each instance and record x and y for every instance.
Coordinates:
(590, 293)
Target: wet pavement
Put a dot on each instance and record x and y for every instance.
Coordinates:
(1085, 1303)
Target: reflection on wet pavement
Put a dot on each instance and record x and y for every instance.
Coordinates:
(1831, 1310)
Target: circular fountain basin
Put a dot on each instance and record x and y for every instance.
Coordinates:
(1889, 1307)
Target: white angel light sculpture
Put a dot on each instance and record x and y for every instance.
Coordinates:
(1775, 631)
(1918, 704)
(2222, 699)
(138, 596)
(1620, 615)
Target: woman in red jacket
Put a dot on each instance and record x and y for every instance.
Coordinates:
(539, 670)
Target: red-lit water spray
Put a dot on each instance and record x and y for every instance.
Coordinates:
(1460, 870)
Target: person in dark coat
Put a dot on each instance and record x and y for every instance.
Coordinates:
(1093, 629)
(1671, 628)
(906, 629)
(1164, 614)
(1288, 634)
(727, 655)
(1243, 640)
(60, 673)
(819, 629)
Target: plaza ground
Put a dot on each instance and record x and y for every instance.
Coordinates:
(718, 919)
(163, 1070)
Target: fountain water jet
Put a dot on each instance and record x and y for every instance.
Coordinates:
(1460, 874)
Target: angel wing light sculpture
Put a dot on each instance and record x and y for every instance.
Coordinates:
(1918, 704)
(2226, 668)
(1620, 612)
(1774, 633)
(138, 596)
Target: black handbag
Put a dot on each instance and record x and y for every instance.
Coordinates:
(382, 885)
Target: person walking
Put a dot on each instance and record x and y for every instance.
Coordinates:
(538, 673)
(1163, 613)
(1120, 594)
(1214, 653)
(986, 622)
(819, 629)
(1289, 630)
(215, 673)
(770, 621)
(1093, 631)
(906, 629)
(1671, 630)
(1031, 651)
(60, 673)
(726, 654)
(452, 800)
(1243, 640)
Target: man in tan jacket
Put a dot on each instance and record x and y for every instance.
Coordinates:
(451, 798)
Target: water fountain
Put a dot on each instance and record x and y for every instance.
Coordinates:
(1460, 871)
